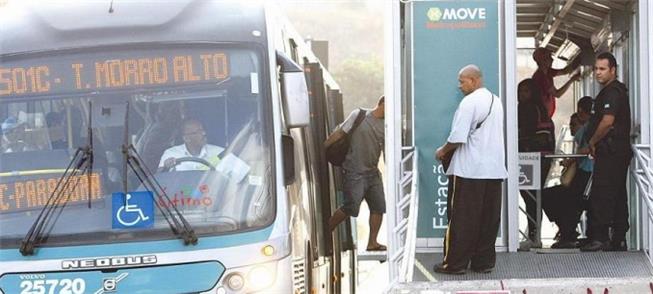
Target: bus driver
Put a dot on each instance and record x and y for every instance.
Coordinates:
(194, 146)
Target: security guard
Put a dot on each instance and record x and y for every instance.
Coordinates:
(609, 128)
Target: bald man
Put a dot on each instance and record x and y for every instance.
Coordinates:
(476, 172)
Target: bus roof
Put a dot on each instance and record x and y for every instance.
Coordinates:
(52, 25)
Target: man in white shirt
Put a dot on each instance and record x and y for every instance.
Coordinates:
(477, 170)
(194, 146)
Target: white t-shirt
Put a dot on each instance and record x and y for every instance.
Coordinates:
(481, 155)
(210, 153)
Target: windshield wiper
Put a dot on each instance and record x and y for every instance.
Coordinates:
(177, 222)
(82, 161)
(55, 202)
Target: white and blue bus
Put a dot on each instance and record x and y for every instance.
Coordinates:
(93, 97)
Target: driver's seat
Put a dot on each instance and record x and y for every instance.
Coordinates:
(155, 139)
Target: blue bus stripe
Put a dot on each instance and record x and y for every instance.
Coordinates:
(146, 247)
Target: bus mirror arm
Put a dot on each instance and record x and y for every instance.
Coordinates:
(288, 146)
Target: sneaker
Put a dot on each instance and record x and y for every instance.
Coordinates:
(438, 268)
(526, 245)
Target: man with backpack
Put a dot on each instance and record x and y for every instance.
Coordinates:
(364, 130)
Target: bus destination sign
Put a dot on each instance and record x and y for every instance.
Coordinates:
(123, 70)
(33, 193)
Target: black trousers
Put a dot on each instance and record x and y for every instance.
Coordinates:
(474, 217)
(608, 201)
(563, 205)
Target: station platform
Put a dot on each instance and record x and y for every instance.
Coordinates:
(543, 271)
(380, 256)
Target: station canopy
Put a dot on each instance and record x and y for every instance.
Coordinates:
(567, 26)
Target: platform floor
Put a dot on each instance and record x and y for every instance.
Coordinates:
(547, 265)
(544, 272)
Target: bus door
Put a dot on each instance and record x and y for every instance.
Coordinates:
(319, 166)
(345, 240)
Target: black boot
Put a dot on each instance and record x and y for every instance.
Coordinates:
(565, 244)
(439, 268)
(619, 245)
(596, 246)
(567, 239)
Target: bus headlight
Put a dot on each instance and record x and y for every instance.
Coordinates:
(260, 277)
(252, 278)
(235, 281)
(268, 250)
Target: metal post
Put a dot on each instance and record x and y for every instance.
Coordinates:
(510, 97)
(392, 90)
(538, 215)
(645, 50)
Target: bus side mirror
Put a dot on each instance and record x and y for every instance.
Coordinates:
(294, 93)
(288, 146)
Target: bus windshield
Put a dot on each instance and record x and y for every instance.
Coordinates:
(197, 116)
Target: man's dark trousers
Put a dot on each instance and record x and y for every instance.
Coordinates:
(608, 199)
(474, 219)
(566, 204)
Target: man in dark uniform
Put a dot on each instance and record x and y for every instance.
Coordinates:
(609, 128)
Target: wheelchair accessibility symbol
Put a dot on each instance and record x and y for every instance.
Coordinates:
(132, 210)
(524, 178)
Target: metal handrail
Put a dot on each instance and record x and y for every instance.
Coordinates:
(643, 175)
(558, 156)
(402, 256)
(411, 236)
(642, 166)
(561, 138)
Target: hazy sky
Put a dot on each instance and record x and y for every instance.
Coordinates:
(354, 28)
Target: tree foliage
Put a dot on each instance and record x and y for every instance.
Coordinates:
(361, 82)
(354, 29)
